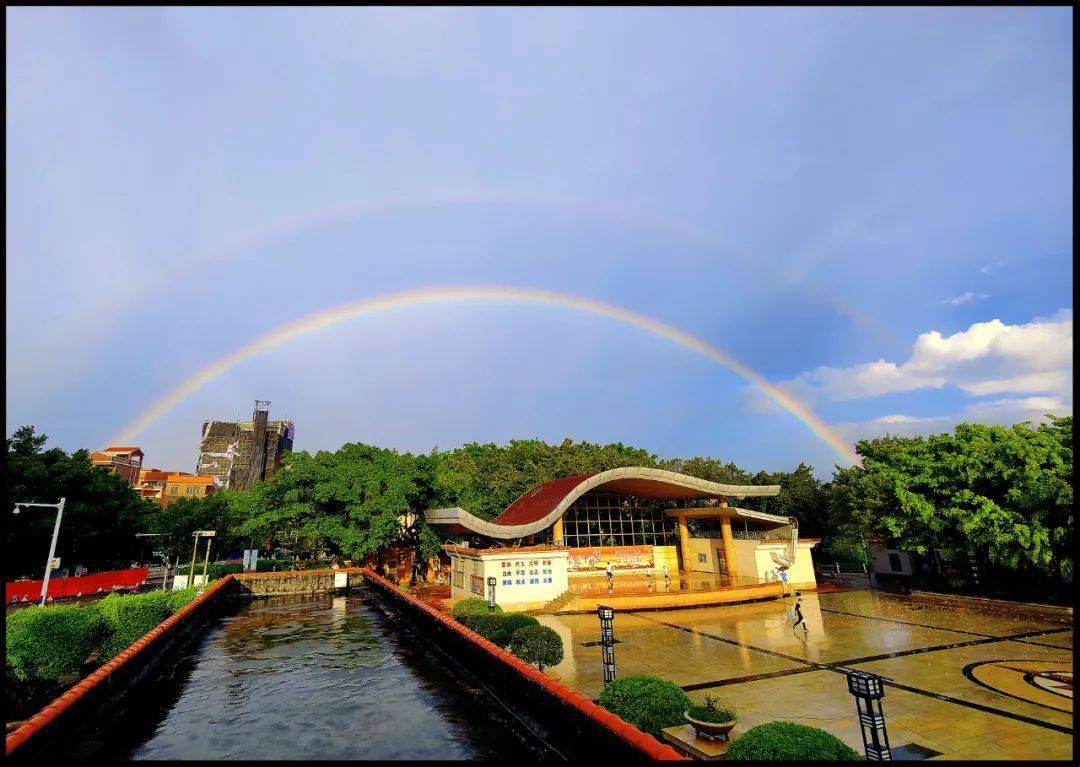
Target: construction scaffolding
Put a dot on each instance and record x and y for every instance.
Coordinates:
(240, 453)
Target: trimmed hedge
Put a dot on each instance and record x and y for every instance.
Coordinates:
(647, 702)
(130, 617)
(537, 644)
(214, 570)
(47, 643)
(787, 741)
(51, 642)
(472, 606)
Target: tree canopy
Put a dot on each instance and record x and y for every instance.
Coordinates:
(102, 512)
(1002, 490)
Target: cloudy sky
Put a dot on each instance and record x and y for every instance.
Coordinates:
(871, 208)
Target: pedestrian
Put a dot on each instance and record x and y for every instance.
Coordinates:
(610, 574)
(799, 615)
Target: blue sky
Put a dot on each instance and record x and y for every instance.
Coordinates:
(870, 207)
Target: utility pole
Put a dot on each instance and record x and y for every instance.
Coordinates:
(52, 546)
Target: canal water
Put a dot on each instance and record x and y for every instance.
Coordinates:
(311, 678)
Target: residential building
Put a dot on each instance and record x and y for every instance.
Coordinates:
(123, 461)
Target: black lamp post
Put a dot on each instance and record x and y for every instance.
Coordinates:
(868, 691)
(491, 593)
(607, 642)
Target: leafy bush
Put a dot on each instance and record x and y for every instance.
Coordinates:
(215, 570)
(787, 741)
(487, 625)
(472, 606)
(510, 625)
(712, 711)
(647, 702)
(130, 617)
(180, 597)
(537, 644)
(47, 643)
(497, 627)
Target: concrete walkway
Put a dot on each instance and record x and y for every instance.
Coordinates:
(967, 682)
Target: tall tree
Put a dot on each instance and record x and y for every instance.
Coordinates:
(348, 501)
(102, 513)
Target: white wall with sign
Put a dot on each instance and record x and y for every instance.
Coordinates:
(522, 577)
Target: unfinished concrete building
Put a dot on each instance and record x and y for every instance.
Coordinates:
(240, 453)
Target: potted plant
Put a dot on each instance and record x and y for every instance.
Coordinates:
(710, 719)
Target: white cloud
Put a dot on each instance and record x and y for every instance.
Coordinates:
(987, 358)
(965, 298)
(993, 266)
(1002, 411)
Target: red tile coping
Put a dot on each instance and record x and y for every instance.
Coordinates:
(54, 709)
(642, 741)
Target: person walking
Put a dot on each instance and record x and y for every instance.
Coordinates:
(799, 618)
(610, 575)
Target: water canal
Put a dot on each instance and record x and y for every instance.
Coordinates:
(328, 677)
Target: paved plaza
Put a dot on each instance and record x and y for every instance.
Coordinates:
(965, 682)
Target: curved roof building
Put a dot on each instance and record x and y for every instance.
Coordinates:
(542, 507)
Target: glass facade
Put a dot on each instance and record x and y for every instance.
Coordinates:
(602, 518)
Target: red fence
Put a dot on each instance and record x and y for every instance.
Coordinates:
(73, 587)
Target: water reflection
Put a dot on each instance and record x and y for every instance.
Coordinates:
(315, 678)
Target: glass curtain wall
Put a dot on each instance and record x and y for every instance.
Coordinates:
(601, 518)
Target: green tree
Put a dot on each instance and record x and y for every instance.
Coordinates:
(348, 501)
(102, 513)
(1005, 491)
(485, 479)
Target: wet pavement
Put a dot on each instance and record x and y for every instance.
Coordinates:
(311, 678)
(967, 683)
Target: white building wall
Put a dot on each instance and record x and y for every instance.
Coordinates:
(527, 577)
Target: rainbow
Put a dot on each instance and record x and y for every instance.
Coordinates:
(463, 294)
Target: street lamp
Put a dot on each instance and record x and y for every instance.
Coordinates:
(607, 642)
(55, 534)
(868, 690)
(491, 593)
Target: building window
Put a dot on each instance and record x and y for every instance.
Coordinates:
(702, 558)
(895, 564)
(192, 491)
(601, 518)
(174, 490)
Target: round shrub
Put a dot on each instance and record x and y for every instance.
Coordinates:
(487, 625)
(787, 741)
(46, 643)
(472, 606)
(647, 702)
(537, 644)
(509, 626)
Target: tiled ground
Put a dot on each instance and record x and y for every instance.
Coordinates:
(749, 657)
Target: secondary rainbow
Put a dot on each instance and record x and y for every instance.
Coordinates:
(325, 318)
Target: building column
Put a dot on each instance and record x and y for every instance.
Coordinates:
(729, 546)
(557, 532)
(684, 542)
